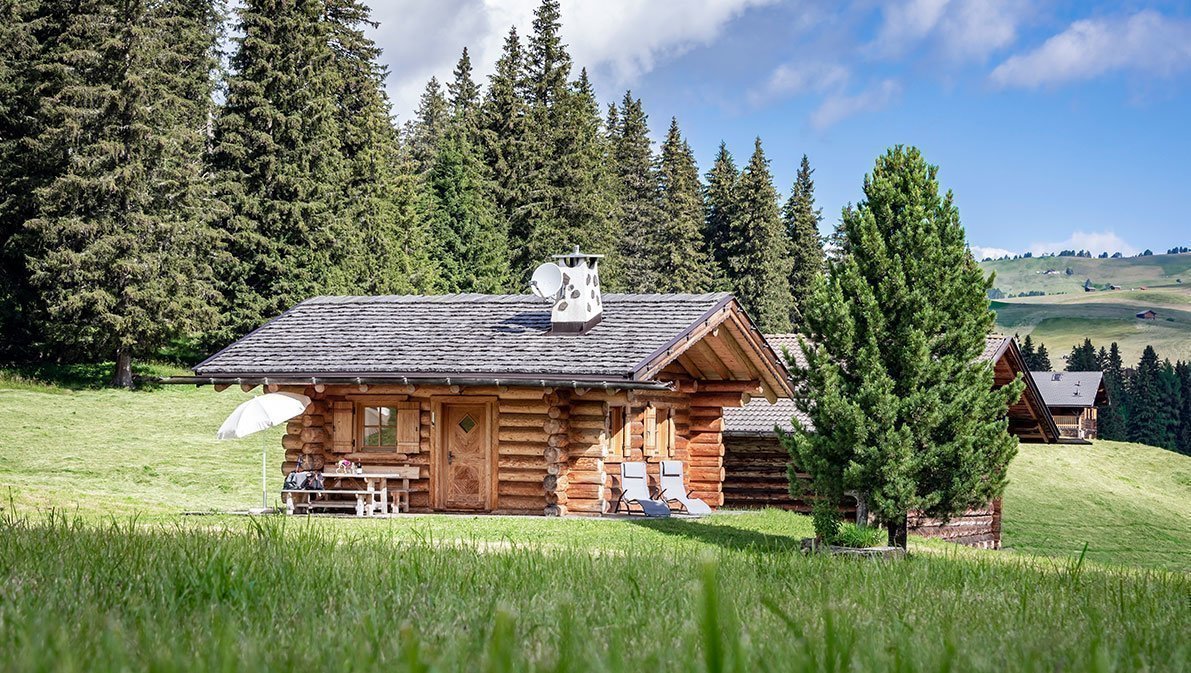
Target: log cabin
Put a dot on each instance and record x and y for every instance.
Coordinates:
(511, 404)
(1072, 398)
(757, 465)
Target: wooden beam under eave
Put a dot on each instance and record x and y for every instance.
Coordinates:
(690, 366)
(773, 375)
(740, 367)
(702, 353)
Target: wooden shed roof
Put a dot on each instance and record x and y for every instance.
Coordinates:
(499, 337)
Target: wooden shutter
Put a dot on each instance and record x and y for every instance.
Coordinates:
(621, 443)
(665, 432)
(409, 428)
(650, 447)
(343, 425)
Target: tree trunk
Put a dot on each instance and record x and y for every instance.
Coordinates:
(861, 509)
(897, 532)
(122, 376)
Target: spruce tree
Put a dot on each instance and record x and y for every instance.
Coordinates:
(1083, 358)
(463, 95)
(279, 163)
(1183, 437)
(118, 237)
(425, 133)
(1170, 402)
(639, 198)
(505, 143)
(1027, 354)
(903, 410)
(1042, 359)
(1147, 420)
(721, 203)
(1110, 417)
(801, 220)
(472, 247)
(685, 265)
(756, 260)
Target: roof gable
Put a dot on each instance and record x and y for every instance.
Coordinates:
(1070, 389)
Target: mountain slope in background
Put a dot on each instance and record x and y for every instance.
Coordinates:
(1066, 314)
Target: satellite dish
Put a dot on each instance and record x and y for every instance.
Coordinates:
(546, 281)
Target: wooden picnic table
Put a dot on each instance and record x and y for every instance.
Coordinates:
(371, 500)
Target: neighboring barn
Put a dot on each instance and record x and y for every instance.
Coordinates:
(1072, 398)
(511, 403)
(756, 463)
(1148, 314)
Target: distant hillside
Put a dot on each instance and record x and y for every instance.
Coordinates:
(1067, 315)
(1029, 274)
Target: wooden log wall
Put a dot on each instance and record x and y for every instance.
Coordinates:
(678, 406)
(705, 445)
(583, 482)
(756, 476)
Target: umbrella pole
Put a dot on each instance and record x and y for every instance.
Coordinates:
(264, 471)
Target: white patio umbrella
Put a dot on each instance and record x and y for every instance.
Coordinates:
(261, 413)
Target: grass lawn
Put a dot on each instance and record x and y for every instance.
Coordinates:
(115, 579)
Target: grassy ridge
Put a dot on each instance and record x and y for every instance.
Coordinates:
(1067, 315)
(292, 595)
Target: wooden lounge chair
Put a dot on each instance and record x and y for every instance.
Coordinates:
(674, 490)
(634, 490)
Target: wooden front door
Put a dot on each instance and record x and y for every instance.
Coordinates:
(467, 446)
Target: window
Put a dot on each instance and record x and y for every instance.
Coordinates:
(389, 427)
(659, 431)
(380, 429)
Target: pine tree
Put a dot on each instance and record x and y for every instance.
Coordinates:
(380, 252)
(1170, 403)
(685, 265)
(721, 201)
(904, 411)
(1083, 358)
(549, 65)
(1042, 360)
(118, 236)
(425, 133)
(639, 198)
(1183, 438)
(505, 143)
(279, 164)
(1110, 417)
(473, 250)
(464, 95)
(1147, 418)
(801, 220)
(757, 263)
(1027, 354)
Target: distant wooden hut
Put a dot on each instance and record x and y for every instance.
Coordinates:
(1072, 398)
(1148, 314)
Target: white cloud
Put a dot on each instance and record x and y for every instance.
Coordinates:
(963, 29)
(1144, 42)
(840, 106)
(1094, 242)
(792, 79)
(980, 252)
(617, 40)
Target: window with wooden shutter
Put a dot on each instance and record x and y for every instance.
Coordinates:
(342, 426)
(651, 431)
(393, 427)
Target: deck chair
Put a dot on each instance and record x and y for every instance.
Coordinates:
(673, 490)
(634, 490)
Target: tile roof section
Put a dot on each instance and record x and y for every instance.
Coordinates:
(760, 417)
(466, 334)
(1068, 389)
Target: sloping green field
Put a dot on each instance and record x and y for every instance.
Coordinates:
(1067, 315)
(103, 452)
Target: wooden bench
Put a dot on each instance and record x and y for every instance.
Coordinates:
(303, 499)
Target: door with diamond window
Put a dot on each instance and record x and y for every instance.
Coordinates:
(466, 441)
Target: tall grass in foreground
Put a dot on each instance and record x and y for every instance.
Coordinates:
(281, 595)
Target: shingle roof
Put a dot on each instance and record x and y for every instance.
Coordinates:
(760, 417)
(460, 334)
(1068, 389)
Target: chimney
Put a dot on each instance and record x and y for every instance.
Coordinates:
(578, 306)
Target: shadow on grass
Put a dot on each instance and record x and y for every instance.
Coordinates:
(728, 537)
(84, 376)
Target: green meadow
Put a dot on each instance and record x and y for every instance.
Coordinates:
(99, 570)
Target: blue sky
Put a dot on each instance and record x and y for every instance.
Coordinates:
(1056, 124)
